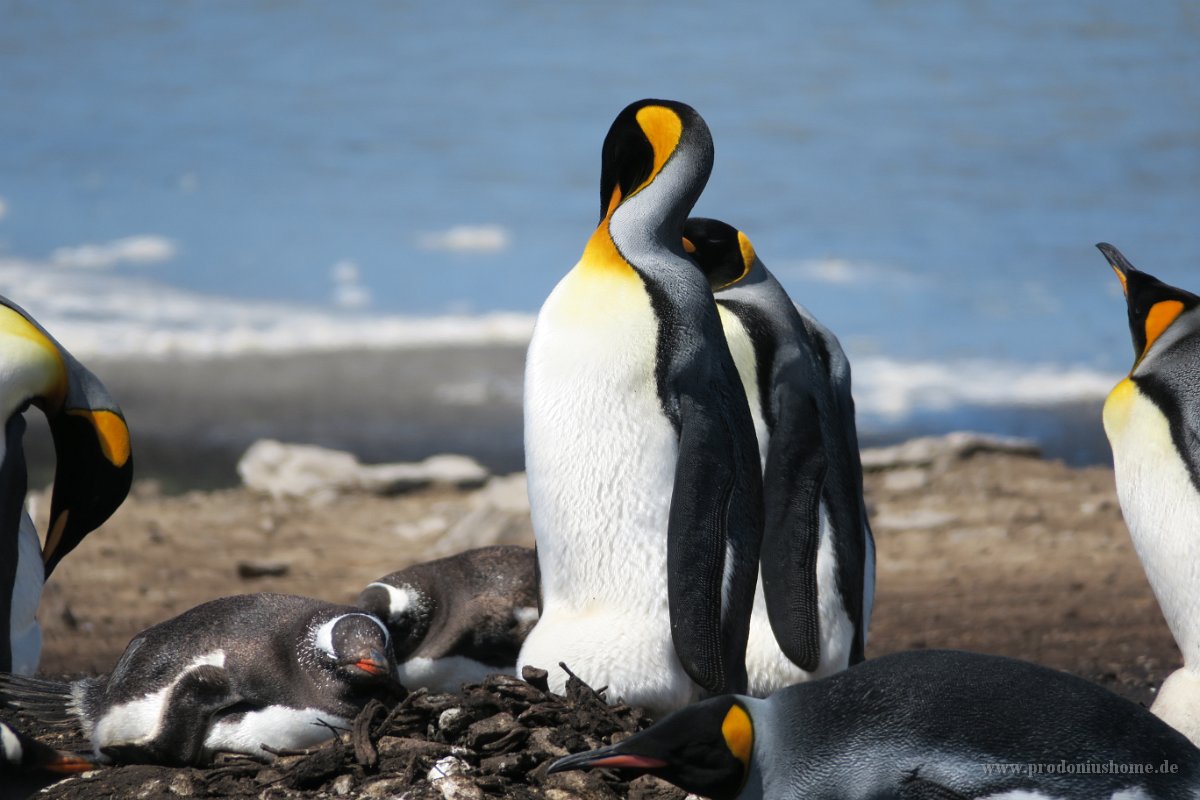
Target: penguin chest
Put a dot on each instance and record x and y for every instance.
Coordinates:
(1161, 508)
(745, 358)
(600, 451)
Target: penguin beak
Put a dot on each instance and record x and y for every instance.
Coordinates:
(607, 757)
(1119, 264)
(375, 665)
(92, 476)
(66, 764)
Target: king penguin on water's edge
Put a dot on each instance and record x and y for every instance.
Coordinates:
(644, 483)
(818, 555)
(93, 471)
(918, 725)
(1152, 419)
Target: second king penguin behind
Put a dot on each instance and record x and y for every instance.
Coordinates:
(644, 478)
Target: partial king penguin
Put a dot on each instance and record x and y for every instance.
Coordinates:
(1152, 419)
(93, 471)
(644, 481)
(813, 603)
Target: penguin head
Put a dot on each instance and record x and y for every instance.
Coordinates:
(91, 440)
(704, 749)
(724, 253)
(406, 611)
(642, 139)
(93, 462)
(358, 648)
(1153, 305)
(19, 752)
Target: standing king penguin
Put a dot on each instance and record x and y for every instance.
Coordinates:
(93, 469)
(1152, 419)
(813, 605)
(644, 482)
(920, 725)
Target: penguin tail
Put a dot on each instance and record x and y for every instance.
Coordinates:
(49, 702)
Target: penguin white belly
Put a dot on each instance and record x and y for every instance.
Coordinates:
(25, 633)
(767, 668)
(1161, 508)
(600, 454)
(445, 674)
(280, 727)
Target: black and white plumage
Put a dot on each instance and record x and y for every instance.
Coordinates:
(813, 604)
(93, 470)
(1152, 419)
(28, 766)
(921, 725)
(230, 675)
(457, 619)
(644, 484)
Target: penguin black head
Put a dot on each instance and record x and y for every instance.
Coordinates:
(405, 610)
(639, 143)
(704, 749)
(724, 253)
(358, 647)
(1153, 305)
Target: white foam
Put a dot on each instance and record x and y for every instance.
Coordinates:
(145, 249)
(467, 239)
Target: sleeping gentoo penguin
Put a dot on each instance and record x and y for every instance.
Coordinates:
(92, 474)
(230, 675)
(920, 725)
(643, 470)
(817, 581)
(1152, 419)
(457, 619)
(28, 765)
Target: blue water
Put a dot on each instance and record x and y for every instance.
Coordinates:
(928, 178)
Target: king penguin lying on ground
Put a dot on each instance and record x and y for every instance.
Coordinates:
(922, 725)
(1152, 419)
(230, 675)
(644, 482)
(92, 474)
(818, 556)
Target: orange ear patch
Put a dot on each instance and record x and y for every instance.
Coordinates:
(112, 433)
(688, 247)
(662, 127)
(1161, 315)
(739, 734)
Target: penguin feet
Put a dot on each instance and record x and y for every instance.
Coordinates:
(1178, 703)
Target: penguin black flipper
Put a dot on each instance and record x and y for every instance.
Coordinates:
(714, 518)
(793, 480)
(195, 700)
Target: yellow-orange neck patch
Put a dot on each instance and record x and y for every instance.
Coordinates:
(111, 431)
(662, 127)
(1161, 315)
(738, 731)
(51, 380)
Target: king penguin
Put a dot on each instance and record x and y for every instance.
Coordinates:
(644, 483)
(457, 619)
(27, 766)
(813, 602)
(92, 473)
(920, 725)
(230, 675)
(1152, 419)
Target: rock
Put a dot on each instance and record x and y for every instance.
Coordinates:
(342, 785)
(319, 474)
(386, 787)
(445, 767)
(182, 785)
(452, 722)
(262, 569)
(942, 450)
(458, 787)
(395, 746)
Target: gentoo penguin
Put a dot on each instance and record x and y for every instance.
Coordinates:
(817, 581)
(92, 474)
(644, 484)
(29, 766)
(920, 725)
(230, 675)
(457, 619)
(1152, 419)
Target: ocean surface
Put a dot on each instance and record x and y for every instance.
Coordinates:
(213, 182)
